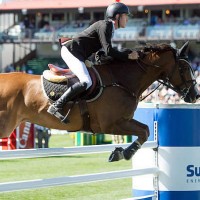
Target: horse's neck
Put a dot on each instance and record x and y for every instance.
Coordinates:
(142, 81)
(128, 74)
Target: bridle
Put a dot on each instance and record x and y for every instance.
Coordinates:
(184, 88)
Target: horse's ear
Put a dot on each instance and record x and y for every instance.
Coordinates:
(183, 49)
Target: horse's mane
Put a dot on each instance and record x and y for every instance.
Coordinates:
(158, 47)
(148, 47)
(154, 48)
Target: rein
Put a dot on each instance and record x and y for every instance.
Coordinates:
(150, 65)
(115, 84)
(132, 94)
(165, 81)
(142, 98)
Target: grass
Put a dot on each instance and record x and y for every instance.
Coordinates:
(107, 190)
(61, 140)
(49, 167)
(23, 169)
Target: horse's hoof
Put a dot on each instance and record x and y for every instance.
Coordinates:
(116, 155)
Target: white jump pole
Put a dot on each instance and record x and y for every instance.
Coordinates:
(146, 187)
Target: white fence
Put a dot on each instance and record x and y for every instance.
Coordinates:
(69, 180)
(40, 183)
(36, 153)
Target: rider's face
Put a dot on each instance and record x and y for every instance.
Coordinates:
(123, 20)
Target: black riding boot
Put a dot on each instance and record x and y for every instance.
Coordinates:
(56, 108)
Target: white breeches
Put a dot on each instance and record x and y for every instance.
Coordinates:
(77, 67)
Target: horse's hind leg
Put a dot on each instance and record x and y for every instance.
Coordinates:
(131, 127)
(8, 123)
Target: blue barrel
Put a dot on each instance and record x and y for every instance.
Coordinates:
(178, 152)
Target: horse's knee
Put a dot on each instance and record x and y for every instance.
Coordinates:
(146, 134)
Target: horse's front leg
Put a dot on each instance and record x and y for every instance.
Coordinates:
(130, 127)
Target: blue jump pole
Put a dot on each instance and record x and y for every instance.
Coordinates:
(178, 156)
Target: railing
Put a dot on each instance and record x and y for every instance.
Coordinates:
(69, 180)
(131, 33)
(77, 179)
(36, 153)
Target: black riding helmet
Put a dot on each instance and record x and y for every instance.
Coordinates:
(116, 8)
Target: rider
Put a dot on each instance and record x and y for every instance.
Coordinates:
(97, 36)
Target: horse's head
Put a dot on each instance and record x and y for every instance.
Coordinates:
(178, 73)
(187, 87)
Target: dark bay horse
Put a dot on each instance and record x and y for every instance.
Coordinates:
(22, 97)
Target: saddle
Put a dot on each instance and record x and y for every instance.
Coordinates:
(56, 81)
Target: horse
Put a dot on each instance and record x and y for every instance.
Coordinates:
(22, 97)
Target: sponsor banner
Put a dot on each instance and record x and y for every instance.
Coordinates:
(25, 136)
(21, 138)
(179, 176)
(180, 169)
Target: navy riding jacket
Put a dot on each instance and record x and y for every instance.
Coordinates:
(95, 37)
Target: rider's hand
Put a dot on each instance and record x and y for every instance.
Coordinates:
(133, 55)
